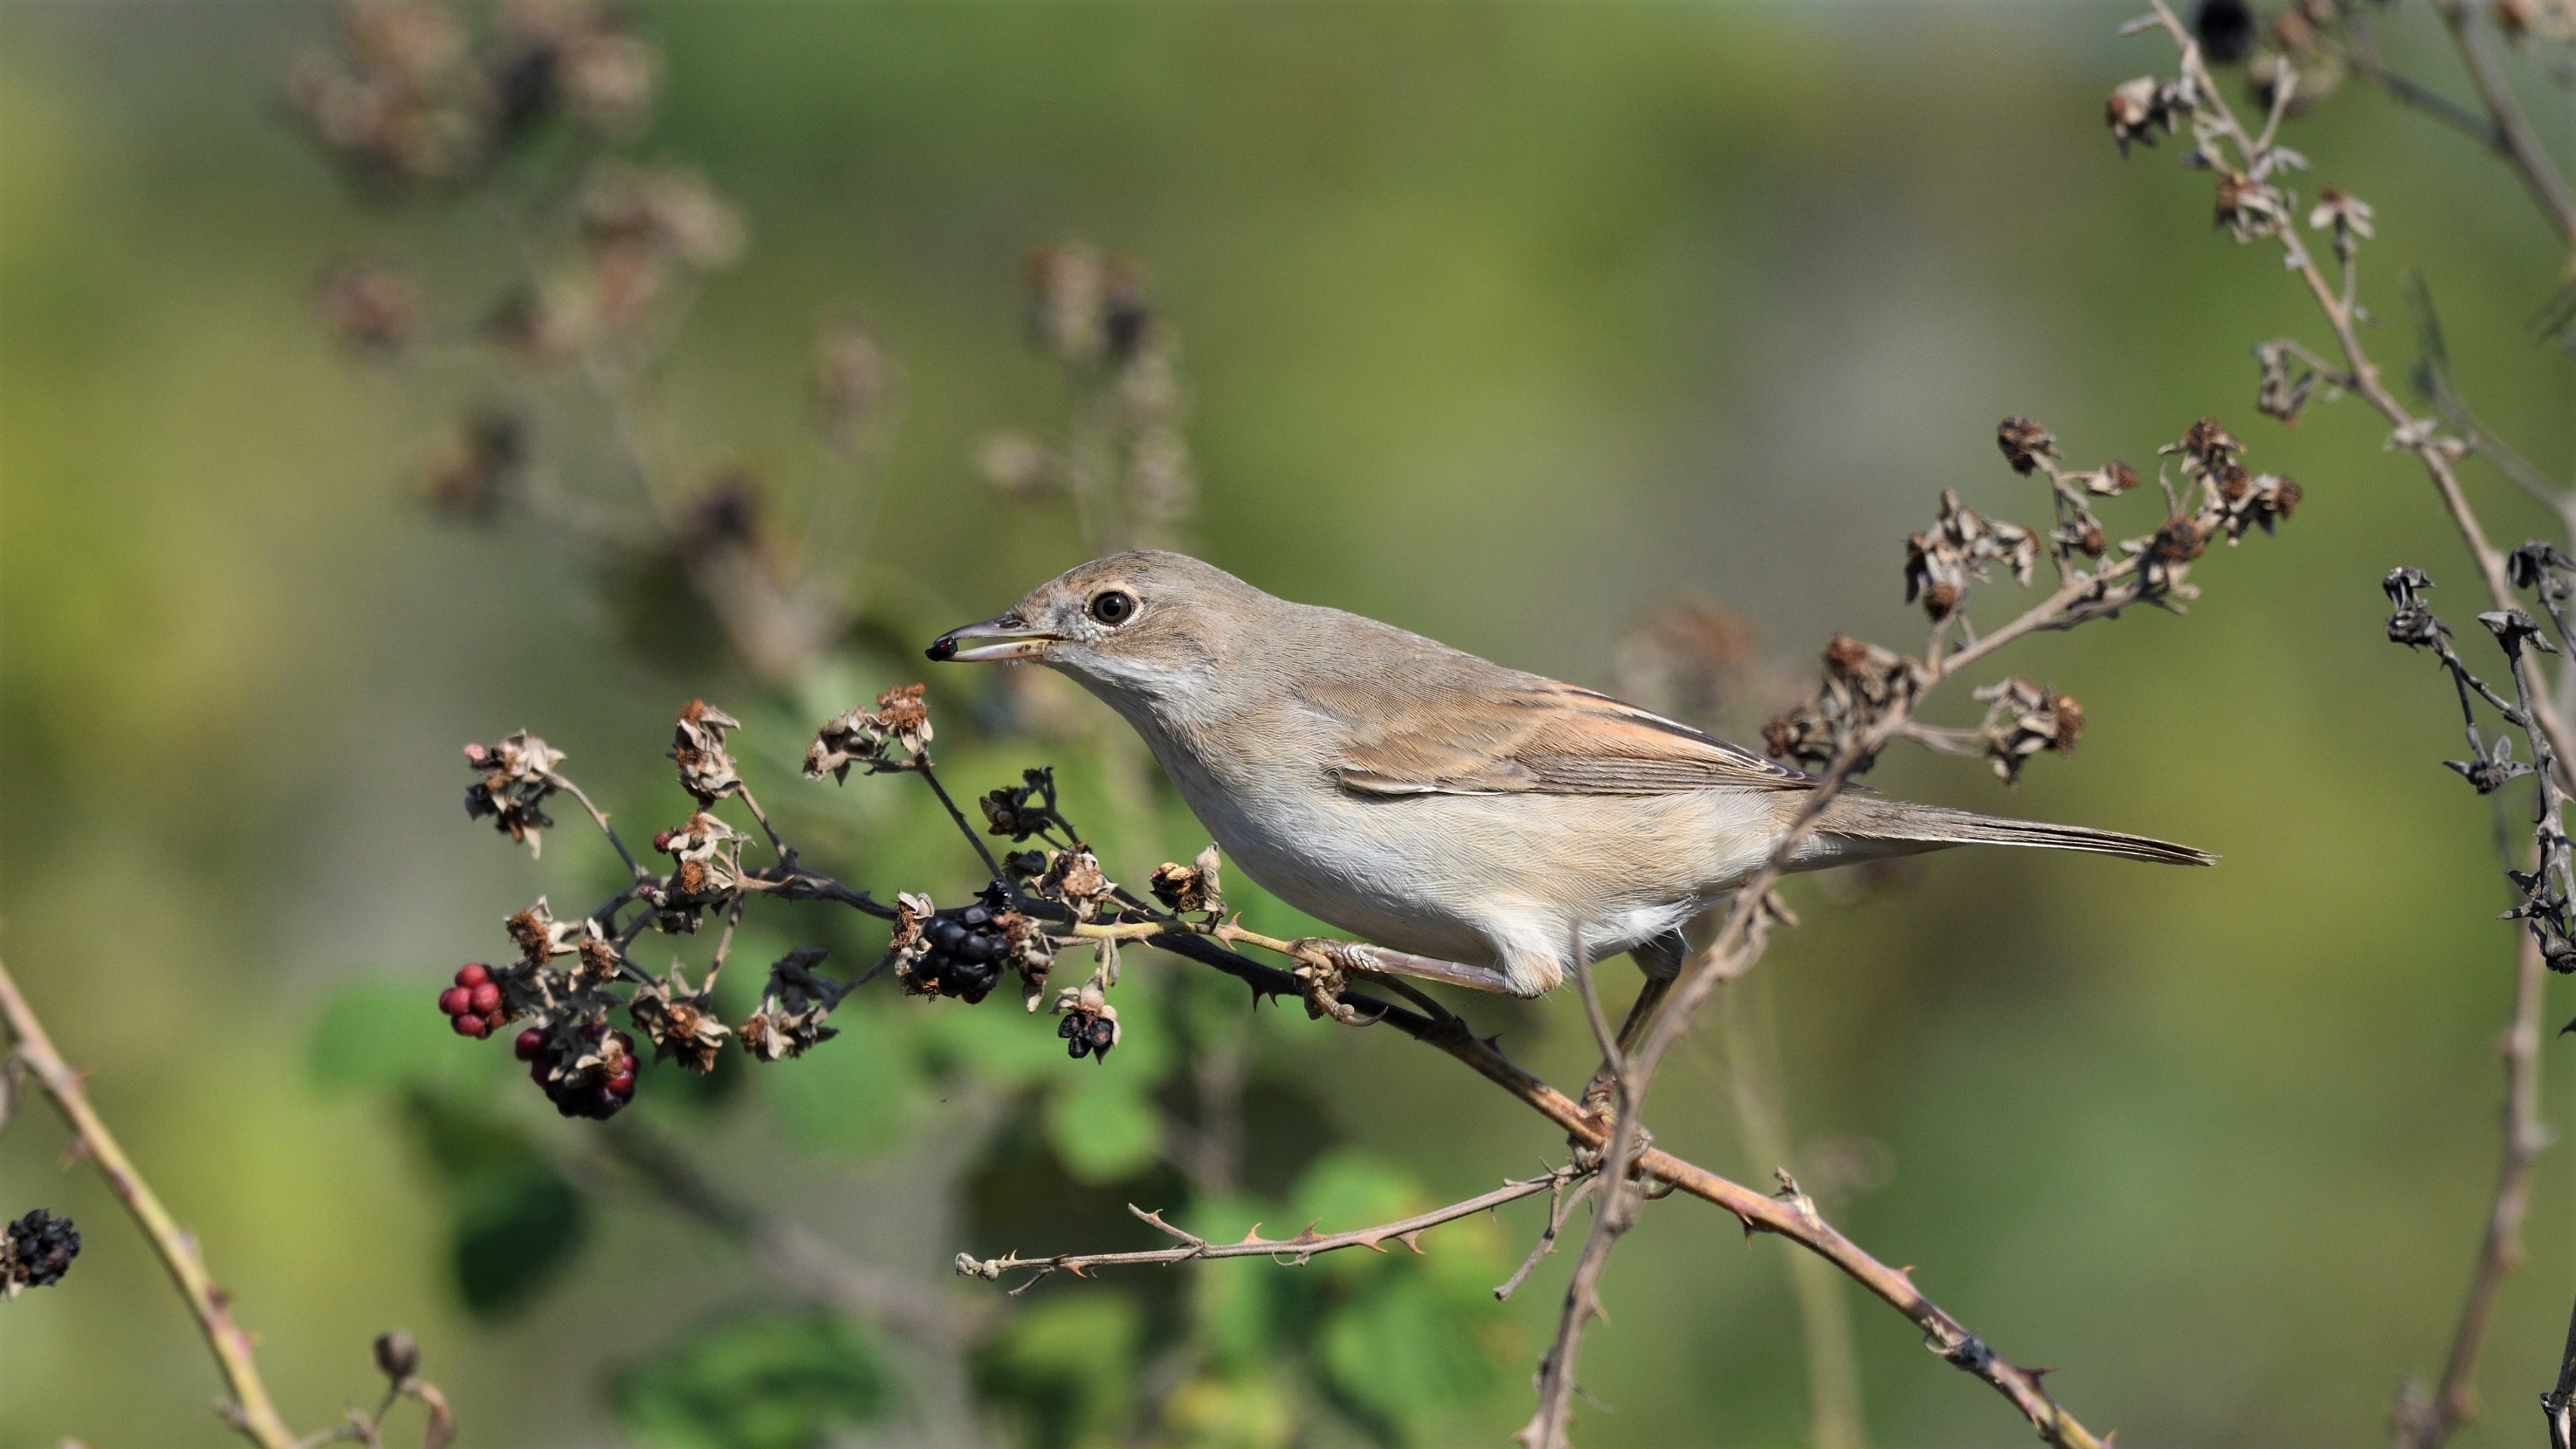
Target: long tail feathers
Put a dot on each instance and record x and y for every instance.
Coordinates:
(1873, 819)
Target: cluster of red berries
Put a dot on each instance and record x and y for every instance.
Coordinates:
(474, 1005)
(600, 1091)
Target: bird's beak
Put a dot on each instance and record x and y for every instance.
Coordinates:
(994, 639)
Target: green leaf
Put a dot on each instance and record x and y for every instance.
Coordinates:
(383, 1036)
(517, 1229)
(1069, 1363)
(761, 1382)
(1408, 1353)
(1103, 1127)
(518, 1222)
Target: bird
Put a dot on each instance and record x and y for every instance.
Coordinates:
(1474, 823)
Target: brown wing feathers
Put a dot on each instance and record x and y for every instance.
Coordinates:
(1537, 738)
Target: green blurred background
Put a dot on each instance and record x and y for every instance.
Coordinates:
(1505, 323)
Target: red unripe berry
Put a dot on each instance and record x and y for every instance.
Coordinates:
(493, 1023)
(623, 1084)
(456, 1000)
(662, 841)
(530, 1042)
(470, 1026)
(473, 973)
(486, 997)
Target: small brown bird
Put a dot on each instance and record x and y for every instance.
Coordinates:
(1483, 823)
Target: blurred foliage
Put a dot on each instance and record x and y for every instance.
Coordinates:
(1506, 323)
(767, 1382)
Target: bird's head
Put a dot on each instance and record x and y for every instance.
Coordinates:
(1145, 627)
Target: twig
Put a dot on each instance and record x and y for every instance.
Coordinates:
(1798, 1221)
(1294, 1252)
(2425, 1423)
(2514, 136)
(2412, 434)
(1560, 1205)
(250, 1411)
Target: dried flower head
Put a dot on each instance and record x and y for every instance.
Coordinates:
(1860, 680)
(1960, 547)
(792, 1010)
(2515, 630)
(1074, 878)
(2247, 207)
(892, 736)
(2348, 217)
(2025, 444)
(2492, 768)
(2256, 502)
(2205, 448)
(698, 749)
(1023, 810)
(1192, 887)
(540, 937)
(2280, 394)
(2023, 719)
(2137, 109)
(683, 1027)
(2410, 620)
(516, 776)
(913, 912)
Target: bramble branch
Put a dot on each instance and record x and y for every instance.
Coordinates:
(1291, 1252)
(250, 1411)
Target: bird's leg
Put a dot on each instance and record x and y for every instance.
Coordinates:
(1661, 961)
(1379, 961)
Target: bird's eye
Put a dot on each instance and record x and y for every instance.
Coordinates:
(1114, 607)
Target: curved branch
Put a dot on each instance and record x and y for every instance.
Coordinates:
(251, 1411)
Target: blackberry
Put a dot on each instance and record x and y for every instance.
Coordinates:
(966, 950)
(599, 1091)
(37, 1250)
(1087, 1033)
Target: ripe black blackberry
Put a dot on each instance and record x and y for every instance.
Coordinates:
(36, 1251)
(964, 956)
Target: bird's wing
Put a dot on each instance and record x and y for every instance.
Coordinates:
(1512, 733)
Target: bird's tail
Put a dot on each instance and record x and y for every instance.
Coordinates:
(1874, 820)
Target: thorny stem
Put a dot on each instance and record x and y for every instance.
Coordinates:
(1794, 1219)
(1294, 1252)
(1739, 943)
(251, 1412)
(2412, 434)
